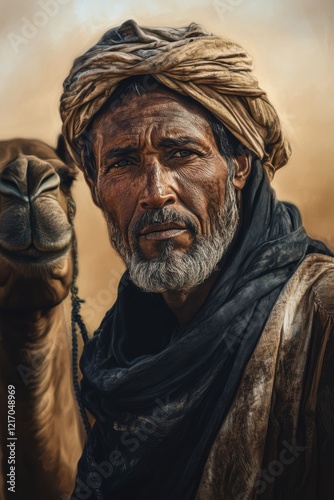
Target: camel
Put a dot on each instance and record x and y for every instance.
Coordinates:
(41, 432)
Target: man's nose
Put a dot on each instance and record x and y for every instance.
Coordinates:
(158, 191)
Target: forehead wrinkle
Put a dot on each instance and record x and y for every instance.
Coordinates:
(134, 140)
(168, 119)
(145, 137)
(156, 106)
(152, 139)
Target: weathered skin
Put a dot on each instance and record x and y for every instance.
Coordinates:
(161, 151)
(35, 345)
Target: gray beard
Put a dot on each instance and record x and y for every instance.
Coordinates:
(173, 271)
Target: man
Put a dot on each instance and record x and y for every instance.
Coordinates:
(212, 375)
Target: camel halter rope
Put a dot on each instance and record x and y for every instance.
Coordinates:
(76, 318)
(77, 321)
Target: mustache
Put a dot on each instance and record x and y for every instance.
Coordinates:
(159, 216)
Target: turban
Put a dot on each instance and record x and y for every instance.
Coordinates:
(214, 71)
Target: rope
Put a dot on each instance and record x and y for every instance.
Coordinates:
(76, 320)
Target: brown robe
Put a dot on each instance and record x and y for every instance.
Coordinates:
(277, 442)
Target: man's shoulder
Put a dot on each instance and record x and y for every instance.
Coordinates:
(324, 288)
(315, 276)
(310, 289)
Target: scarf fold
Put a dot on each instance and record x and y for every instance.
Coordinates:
(213, 70)
(160, 392)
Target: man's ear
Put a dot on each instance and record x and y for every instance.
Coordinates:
(243, 165)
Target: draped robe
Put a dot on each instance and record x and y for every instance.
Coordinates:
(203, 409)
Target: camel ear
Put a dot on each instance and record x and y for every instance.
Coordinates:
(61, 150)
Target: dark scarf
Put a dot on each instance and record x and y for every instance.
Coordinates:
(160, 392)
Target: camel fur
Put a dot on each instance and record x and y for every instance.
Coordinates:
(36, 266)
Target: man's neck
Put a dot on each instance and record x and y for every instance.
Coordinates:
(186, 303)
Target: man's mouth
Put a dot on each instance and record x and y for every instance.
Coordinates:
(162, 231)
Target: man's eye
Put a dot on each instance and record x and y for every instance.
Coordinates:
(120, 164)
(183, 153)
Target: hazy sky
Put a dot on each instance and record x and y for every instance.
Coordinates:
(292, 46)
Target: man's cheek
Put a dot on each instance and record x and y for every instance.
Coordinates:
(109, 199)
(215, 196)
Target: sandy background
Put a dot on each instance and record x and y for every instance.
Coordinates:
(292, 46)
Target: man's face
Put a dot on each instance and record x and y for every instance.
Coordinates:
(164, 188)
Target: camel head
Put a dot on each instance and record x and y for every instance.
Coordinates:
(36, 235)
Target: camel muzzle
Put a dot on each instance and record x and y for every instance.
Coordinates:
(28, 177)
(33, 220)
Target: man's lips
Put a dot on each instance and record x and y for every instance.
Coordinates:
(162, 231)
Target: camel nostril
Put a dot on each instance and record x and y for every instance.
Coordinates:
(11, 188)
(27, 177)
(49, 183)
(41, 178)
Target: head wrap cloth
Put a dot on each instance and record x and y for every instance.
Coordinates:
(214, 71)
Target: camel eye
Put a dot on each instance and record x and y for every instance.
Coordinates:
(66, 178)
(67, 181)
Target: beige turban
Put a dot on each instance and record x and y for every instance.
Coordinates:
(212, 70)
